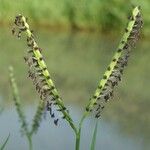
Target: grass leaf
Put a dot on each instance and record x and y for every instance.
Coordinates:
(4, 144)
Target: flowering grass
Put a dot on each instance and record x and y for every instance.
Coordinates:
(45, 87)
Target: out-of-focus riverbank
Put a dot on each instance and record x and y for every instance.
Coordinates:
(83, 15)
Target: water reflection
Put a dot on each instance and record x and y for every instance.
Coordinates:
(61, 137)
(76, 62)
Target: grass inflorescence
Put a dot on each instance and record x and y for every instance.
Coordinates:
(17, 101)
(119, 61)
(38, 115)
(40, 75)
(44, 85)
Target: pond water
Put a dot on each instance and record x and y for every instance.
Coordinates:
(109, 137)
(77, 62)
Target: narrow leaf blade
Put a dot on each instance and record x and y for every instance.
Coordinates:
(4, 144)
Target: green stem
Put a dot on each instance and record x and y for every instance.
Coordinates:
(78, 134)
(78, 140)
(30, 142)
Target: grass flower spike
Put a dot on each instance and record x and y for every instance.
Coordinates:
(37, 117)
(39, 73)
(115, 70)
(16, 97)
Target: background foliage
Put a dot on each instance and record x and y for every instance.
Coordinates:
(79, 14)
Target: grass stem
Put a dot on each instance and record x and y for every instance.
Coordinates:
(30, 142)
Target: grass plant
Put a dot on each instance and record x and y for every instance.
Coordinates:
(22, 118)
(39, 74)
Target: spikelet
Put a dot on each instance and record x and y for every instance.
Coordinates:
(114, 72)
(39, 73)
(16, 98)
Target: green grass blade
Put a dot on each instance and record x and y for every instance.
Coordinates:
(94, 137)
(3, 146)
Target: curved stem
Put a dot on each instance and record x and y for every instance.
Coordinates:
(82, 119)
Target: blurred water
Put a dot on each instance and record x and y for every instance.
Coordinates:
(76, 62)
(51, 137)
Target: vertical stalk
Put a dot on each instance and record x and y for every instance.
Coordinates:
(30, 142)
(78, 140)
(78, 134)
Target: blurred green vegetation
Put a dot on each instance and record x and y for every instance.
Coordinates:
(101, 15)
